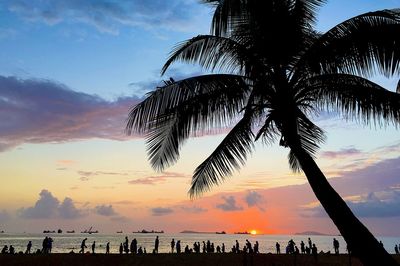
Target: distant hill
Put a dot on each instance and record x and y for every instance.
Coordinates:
(311, 233)
(195, 232)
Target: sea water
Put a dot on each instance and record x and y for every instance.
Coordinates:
(64, 243)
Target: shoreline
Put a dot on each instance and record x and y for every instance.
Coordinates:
(228, 259)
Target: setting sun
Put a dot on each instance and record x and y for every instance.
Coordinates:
(253, 232)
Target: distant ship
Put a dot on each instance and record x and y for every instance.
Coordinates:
(119, 232)
(49, 232)
(242, 233)
(71, 232)
(89, 231)
(150, 232)
(59, 231)
(221, 233)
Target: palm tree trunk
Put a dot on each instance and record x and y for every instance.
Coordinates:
(359, 239)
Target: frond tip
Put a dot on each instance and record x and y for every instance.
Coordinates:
(230, 154)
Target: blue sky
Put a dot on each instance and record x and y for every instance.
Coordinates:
(69, 72)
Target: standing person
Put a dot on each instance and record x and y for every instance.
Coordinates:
(396, 249)
(256, 246)
(121, 248)
(126, 245)
(314, 251)
(309, 243)
(45, 245)
(83, 246)
(28, 248)
(178, 246)
(135, 249)
(237, 246)
(336, 246)
(108, 248)
(223, 247)
(172, 245)
(156, 243)
(278, 248)
(93, 246)
(50, 244)
(11, 250)
(302, 247)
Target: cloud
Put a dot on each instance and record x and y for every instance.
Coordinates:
(85, 175)
(379, 204)
(105, 210)
(160, 211)
(49, 206)
(193, 209)
(373, 205)
(45, 207)
(4, 216)
(124, 202)
(121, 219)
(153, 180)
(229, 204)
(110, 16)
(67, 210)
(43, 111)
(341, 153)
(253, 198)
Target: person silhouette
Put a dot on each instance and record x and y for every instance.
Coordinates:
(178, 246)
(172, 245)
(156, 243)
(4, 250)
(108, 248)
(121, 249)
(28, 248)
(302, 247)
(336, 246)
(314, 251)
(134, 246)
(126, 245)
(309, 243)
(278, 248)
(93, 247)
(83, 246)
(11, 250)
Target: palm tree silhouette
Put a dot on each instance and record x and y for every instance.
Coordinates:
(279, 71)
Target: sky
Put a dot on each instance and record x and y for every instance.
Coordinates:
(70, 71)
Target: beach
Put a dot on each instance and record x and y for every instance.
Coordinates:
(179, 259)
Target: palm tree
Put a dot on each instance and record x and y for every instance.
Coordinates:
(271, 70)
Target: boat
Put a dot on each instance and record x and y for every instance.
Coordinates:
(71, 232)
(89, 231)
(59, 231)
(150, 232)
(49, 232)
(242, 233)
(221, 233)
(119, 232)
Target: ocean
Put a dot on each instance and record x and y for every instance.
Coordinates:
(64, 243)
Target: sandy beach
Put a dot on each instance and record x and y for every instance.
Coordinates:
(181, 259)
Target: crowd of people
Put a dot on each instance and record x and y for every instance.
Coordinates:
(133, 247)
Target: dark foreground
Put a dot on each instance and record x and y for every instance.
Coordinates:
(182, 259)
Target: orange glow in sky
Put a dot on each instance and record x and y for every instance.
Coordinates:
(253, 232)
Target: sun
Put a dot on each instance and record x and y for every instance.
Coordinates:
(253, 232)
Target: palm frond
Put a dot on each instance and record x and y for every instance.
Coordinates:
(211, 52)
(356, 98)
(173, 112)
(360, 45)
(229, 155)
